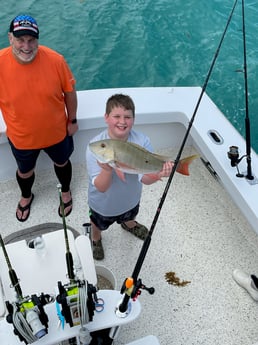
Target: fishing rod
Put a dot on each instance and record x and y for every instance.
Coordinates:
(12, 273)
(30, 322)
(249, 175)
(233, 153)
(132, 285)
(64, 292)
(68, 255)
(78, 295)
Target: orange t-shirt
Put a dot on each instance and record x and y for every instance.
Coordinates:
(32, 98)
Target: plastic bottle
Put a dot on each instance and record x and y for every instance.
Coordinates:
(33, 320)
(84, 336)
(39, 245)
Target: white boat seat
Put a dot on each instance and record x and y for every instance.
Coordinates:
(39, 274)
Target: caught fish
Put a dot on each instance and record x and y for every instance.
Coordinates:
(126, 157)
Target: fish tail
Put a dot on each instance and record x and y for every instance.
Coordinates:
(183, 165)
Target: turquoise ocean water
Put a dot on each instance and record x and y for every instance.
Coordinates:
(152, 43)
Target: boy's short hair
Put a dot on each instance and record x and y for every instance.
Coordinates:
(120, 100)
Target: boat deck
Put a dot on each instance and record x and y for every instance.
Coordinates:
(200, 235)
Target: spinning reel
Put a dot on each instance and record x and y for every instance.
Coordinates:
(28, 317)
(77, 301)
(233, 155)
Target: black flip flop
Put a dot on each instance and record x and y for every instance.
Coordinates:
(24, 208)
(66, 204)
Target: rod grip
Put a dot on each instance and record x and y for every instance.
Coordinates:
(124, 304)
(15, 282)
(69, 263)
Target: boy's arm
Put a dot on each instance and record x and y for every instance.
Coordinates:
(104, 179)
(100, 174)
(152, 178)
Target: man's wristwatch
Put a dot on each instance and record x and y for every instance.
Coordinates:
(73, 121)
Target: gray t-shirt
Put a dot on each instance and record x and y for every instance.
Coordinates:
(121, 196)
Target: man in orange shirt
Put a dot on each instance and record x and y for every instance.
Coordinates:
(39, 103)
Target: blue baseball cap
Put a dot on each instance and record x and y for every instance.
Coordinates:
(24, 25)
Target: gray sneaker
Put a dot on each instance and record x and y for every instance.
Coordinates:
(98, 251)
(138, 230)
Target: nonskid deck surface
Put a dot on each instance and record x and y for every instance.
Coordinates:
(200, 235)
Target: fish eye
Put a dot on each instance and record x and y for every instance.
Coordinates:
(103, 145)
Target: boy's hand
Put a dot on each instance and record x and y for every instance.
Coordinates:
(167, 168)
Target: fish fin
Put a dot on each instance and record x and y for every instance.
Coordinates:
(120, 174)
(125, 168)
(153, 176)
(183, 165)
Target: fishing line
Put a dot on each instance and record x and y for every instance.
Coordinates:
(124, 304)
(249, 175)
